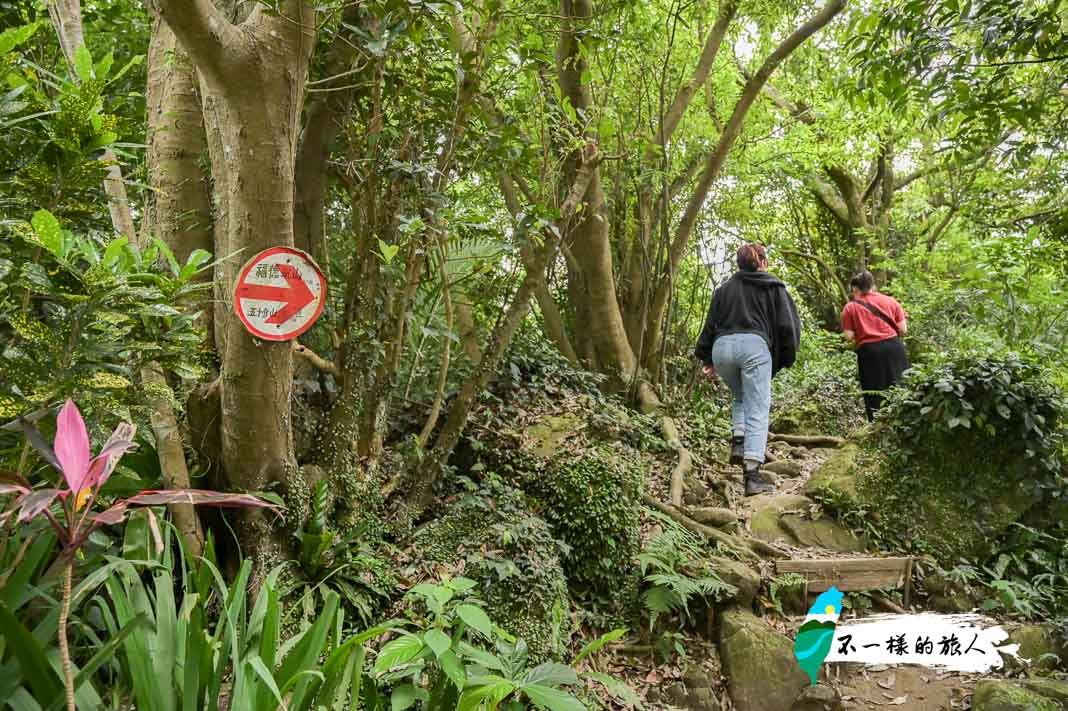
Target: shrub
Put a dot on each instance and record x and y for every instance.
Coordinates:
(969, 444)
(592, 500)
(819, 394)
(514, 558)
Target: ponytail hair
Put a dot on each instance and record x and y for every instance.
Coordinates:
(751, 256)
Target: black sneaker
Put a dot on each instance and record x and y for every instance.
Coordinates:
(756, 484)
(737, 453)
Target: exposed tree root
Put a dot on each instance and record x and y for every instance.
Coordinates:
(808, 440)
(748, 549)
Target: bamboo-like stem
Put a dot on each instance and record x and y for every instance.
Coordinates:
(64, 648)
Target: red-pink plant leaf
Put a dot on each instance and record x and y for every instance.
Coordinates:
(112, 516)
(153, 526)
(13, 489)
(72, 446)
(37, 502)
(120, 441)
(197, 497)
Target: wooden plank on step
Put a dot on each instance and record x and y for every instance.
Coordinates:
(849, 574)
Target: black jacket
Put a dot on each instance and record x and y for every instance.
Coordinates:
(753, 302)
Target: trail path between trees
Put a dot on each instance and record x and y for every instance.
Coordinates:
(808, 532)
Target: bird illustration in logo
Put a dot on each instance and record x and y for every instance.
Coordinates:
(817, 633)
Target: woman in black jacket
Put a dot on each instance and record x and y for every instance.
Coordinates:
(752, 331)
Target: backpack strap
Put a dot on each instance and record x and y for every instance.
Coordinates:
(878, 313)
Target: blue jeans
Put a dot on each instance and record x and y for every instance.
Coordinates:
(743, 361)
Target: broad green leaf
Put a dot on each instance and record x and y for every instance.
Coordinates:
(14, 36)
(452, 667)
(551, 674)
(476, 618)
(438, 641)
(491, 693)
(48, 231)
(598, 643)
(618, 689)
(83, 63)
(402, 697)
(547, 697)
(400, 651)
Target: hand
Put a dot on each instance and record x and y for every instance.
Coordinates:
(709, 372)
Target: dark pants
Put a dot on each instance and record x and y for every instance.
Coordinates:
(881, 365)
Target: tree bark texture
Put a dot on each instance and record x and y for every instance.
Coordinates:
(589, 236)
(176, 142)
(252, 78)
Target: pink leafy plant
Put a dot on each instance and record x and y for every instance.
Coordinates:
(84, 475)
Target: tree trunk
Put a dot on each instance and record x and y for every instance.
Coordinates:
(252, 81)
(716, 158)
(589, 237)
(181, 215)
(67, 20)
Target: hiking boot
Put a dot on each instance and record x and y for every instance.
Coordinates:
(737, 454)
(755, 483)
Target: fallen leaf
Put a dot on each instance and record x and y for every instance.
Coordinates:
(898, 701)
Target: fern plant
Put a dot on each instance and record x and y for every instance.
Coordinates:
(674, 565)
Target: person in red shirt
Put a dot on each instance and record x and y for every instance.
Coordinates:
(875, 323)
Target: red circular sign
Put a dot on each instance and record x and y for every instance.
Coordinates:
(279, 293)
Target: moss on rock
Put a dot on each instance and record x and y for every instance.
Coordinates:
(998, 695)
(786, 516)
(834, 484)
(592, 500)
(515, 559)
(759, 663)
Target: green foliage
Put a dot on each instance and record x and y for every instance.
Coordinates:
(347, 564)
(676, 570)
(819, 394)
(79, 318)
(591, 499)
(1027, 576)
(967, 446)
(514, 558)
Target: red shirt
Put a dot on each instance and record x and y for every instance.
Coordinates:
(866, 326)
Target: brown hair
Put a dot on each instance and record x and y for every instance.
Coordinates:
(863, 282)
(751, 256)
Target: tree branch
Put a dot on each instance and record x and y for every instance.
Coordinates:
(704, 65)
(211, 40)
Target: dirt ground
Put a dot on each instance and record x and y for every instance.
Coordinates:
(905, 687)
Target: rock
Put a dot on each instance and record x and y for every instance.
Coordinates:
(821, 533)
(676, 695)
(1000, 695)
(787, 468)
(550, 432)
(712, 516)
(1036, 641)
(704, 699)
(762, 673)
(834, 483)
(950, 604)
(785, 516)
(818, 698)
(945, 595)
(764, 523)
(1056, 689)
(741, 576)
